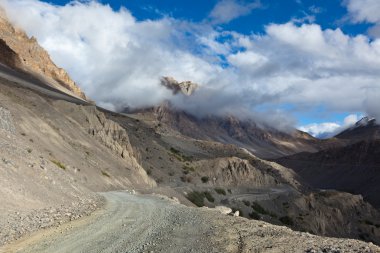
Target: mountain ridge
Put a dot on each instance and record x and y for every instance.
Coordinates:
(23, 53)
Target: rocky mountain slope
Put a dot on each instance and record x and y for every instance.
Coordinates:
(264, 141)
(54, 156)
(365, 129)
(20, 52)
(354, 168)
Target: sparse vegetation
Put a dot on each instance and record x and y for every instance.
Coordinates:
(59, 164)
(23, 134)
(188, 168)
(174, 151)
(208, 196)
(196, 197)
(179, 156)
(29, 150)
(286, 220)
(220, 191)
(149, 172)
(104, 173)
(171, 173)
(205, 179)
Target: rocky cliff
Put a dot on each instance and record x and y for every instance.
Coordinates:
(18, 51)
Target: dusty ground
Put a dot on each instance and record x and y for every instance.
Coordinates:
(146, 223)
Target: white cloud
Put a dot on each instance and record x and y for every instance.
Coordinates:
(330, 129)
(322, 130)
(364, 10)
(118, 61)
(227, 10)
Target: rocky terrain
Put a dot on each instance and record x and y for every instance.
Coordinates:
(354, 168)
(262, 140)
(136, 223)
(52, 163)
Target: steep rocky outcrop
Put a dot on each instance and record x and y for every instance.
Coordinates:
(18, 51)
(234, 172)
(187, 87)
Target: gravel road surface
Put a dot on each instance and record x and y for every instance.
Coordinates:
(149, 223)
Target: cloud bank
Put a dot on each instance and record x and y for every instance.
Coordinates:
(118, 61)
(330, 129)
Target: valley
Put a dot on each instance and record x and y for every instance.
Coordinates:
(76, 177)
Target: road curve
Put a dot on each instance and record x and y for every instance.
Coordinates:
(128, 223)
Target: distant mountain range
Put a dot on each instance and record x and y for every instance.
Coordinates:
(354, 168)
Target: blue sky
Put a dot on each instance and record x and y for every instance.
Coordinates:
(327, 13)
(313, 64)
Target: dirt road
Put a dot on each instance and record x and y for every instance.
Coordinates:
(128, 223)
(144, 223)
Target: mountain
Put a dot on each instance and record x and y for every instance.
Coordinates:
(263, 141)
(61, 159)
(24, 54)
(365, 129)
(353, 167)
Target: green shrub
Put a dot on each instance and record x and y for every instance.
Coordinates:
(205, 179)
(196, 197)
(246, 202)
(29, 150)
(287, 220)
(174, 151)
(104, 173)
(220, 191)
(208, 196)
(59, 164)
(180, 157)
(188, 168)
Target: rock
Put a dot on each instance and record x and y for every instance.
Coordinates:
(187, 87)
(237, 213)
(6, 122)
(223, 209)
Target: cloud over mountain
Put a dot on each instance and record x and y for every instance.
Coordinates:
(119, 61)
